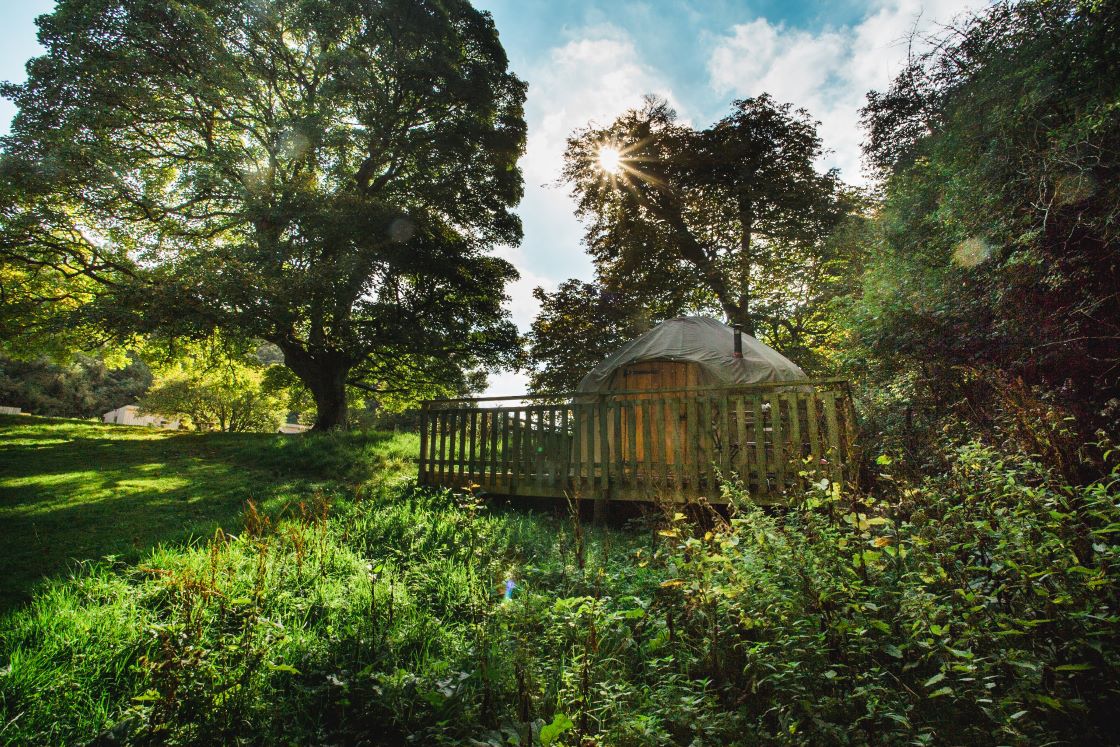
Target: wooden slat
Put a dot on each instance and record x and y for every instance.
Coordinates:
(472, 436)
(577, 446)
(797, 451)
(708, 436)
(828, 403)
(494, 428)
(559, 444)
(590, 422)
(483, 457)
(692, 441)
(434, 445)
(617, 454)
(743, 467)
(676, 437)
(443, 417)
(725, 435)
(449, 458)
(632, 439)
(551, 448)
(778, 439)
(452, 442)
(760, 447)
(812, 422)
(461, 456)
(507, 448)
(604, 450)
(515, 449)
(423, 444)
(647, 444)
(565, 445)
(533, 454)
(665, 424)
(429, 442)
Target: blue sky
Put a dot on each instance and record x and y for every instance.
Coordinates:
(588, 60)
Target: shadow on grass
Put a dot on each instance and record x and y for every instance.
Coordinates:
(74, 491)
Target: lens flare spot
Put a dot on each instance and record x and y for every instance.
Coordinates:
(971, 252)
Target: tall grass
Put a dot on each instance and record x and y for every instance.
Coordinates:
(370, 615)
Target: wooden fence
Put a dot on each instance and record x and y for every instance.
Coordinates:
(643, 445)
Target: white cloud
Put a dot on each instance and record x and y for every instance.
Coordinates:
(592, 78)
(828, 72)
(506, 383)
(521, 303)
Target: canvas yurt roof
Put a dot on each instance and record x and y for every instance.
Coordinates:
(708, 343)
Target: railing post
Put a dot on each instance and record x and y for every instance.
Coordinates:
(422, 476)
(600, 507)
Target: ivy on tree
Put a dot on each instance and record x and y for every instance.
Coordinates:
(325, 176)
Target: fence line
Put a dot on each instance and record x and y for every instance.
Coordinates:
(641, 445)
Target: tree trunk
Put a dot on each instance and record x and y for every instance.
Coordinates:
(329, 390)
(325, 375)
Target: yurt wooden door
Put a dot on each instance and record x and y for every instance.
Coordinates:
(654, 377)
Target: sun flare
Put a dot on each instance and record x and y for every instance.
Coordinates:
(610, 160)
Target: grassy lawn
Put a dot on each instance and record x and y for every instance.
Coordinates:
(72, 490)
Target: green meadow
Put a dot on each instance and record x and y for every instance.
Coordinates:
(73, 491)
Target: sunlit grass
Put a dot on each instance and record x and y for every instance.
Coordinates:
(72, 491)
(354, 581)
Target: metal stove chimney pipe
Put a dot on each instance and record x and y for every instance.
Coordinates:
(738, 340)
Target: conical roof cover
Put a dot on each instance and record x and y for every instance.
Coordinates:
(701, 340)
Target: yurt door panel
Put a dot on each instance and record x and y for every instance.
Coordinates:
(655, 376)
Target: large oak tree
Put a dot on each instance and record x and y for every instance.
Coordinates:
(327, 176)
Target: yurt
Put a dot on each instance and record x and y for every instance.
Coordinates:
(671, 415)
(689, 351)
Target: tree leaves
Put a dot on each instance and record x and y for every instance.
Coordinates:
(324, 177)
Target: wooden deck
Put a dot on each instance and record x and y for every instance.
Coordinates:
(643, 445)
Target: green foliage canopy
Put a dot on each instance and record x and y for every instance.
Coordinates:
(82, 387)
(733, 217)
(324, 176)
(224, 395)
(1000, 156)
(578, 326)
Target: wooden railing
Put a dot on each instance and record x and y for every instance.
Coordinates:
(640, 445)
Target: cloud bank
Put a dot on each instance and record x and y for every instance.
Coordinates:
(828, 72)
(592, 78)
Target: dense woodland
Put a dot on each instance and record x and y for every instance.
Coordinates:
(331, 179)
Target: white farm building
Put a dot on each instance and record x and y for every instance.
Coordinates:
(130, 415)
